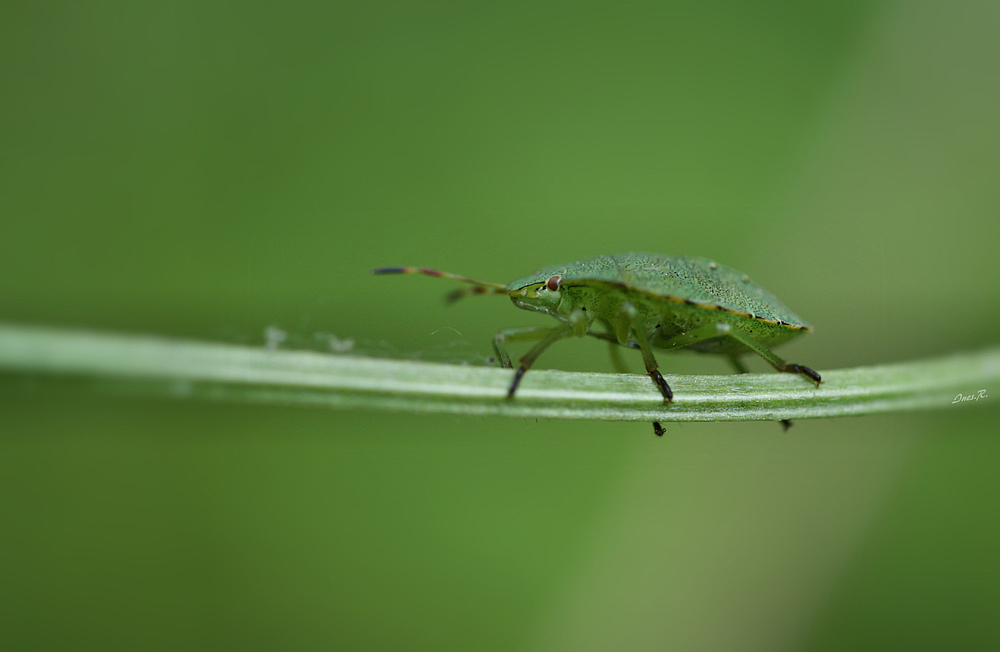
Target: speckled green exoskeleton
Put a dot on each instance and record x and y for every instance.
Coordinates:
(644, 301)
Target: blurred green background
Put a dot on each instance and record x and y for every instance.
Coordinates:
(211, 170)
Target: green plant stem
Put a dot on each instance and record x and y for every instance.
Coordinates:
(188, 369)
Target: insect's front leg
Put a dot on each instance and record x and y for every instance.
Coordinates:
(529, 358)
(529, 333)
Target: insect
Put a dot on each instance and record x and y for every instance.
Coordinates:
(645, 302)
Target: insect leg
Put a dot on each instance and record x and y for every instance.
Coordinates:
(651, 367)
(617, 361)
(528, 333)
(738, 365)
(696, 335)
(529, 358)
(775, 361)
(725, 330)
(612, 339)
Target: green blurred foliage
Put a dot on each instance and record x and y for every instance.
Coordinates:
(210, 170)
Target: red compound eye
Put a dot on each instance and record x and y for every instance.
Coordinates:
(553, 283)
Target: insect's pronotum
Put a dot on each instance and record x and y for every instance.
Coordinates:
(643, 301)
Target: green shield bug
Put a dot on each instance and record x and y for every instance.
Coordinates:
(643, 301)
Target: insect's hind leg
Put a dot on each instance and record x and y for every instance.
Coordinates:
(725, 330)
(775, 361)
(742, 369)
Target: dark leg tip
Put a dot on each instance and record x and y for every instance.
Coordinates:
(812, 375)
(661, 384)
(805, 371)
(786, 423)
(658, 429)
(517, 381)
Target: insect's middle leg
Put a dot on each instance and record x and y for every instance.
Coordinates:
(614, 350)
(738, 365)
(652, 368)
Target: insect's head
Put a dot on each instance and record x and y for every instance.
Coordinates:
(543, 297)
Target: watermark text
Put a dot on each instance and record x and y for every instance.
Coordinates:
(970, 397)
